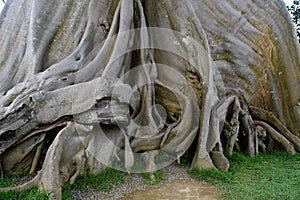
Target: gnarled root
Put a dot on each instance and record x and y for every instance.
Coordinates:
(289, 147)
(240, 130)
(269, 118)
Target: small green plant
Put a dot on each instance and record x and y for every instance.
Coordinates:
(66, 194)
(185, 160)
(273, 176)
(153, 178)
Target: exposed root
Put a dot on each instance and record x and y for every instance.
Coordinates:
(271, 119)
(289, 147)
(260, 135)
(234, 125)
(219, 160)
(36, 158)
(253, 133)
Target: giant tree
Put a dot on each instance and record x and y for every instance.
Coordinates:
(133, 84)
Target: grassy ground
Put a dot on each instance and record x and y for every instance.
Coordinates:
(30, 194)
(153, 178)
(273, 176)
(104, 181)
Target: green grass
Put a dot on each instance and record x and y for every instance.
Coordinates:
(30, 194)
(153, 178)
(273, 176)
(9, 181)
(104, 181)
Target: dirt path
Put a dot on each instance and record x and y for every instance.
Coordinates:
(176, 190)
(176, 184)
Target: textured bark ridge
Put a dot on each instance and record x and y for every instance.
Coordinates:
(131, 84)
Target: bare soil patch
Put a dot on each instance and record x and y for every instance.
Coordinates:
(176, 190)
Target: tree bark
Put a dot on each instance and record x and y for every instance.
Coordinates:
(130, 84)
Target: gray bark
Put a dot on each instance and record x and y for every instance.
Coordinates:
(131, 84)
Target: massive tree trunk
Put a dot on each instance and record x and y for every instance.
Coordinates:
(131, 84)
